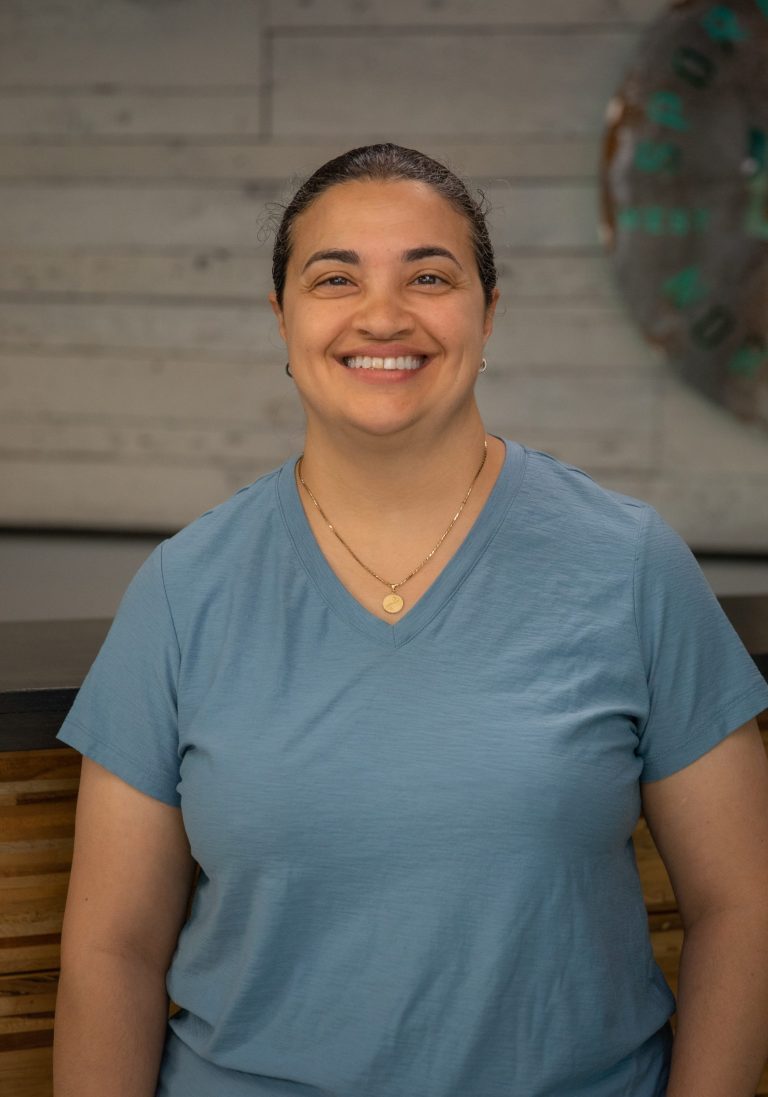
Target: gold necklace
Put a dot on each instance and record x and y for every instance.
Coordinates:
(393, 602)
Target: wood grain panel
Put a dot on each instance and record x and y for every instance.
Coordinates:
(486, 13)
(115, 113)
(524, 156)
(186, 275)
(155, 390)
(92, 216)
(509, 83)
(45, 492)
(71, 43)
(688, 422)
(209, 329)
(711, 511)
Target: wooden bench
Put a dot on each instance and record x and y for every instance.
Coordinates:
(42, 665)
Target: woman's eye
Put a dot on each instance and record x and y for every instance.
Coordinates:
(437, 276)
(333, 278)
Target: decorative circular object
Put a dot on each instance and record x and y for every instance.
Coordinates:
(684, 196)
(393, 603)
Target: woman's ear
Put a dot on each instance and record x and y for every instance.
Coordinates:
(272, 298)
(488, 323)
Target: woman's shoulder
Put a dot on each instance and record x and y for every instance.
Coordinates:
(566, 494)
(224, 531)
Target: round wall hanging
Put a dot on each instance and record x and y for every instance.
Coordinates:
(684, 196)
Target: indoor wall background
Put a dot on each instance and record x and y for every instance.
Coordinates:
(142, 141)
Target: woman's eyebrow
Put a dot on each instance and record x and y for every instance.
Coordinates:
(343, 255)
(425, 252)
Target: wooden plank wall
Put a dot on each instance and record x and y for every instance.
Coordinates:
(142, 145)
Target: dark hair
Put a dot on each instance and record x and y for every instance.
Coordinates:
(387, 162)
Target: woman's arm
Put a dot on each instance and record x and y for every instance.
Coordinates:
(111, 1014)
(710, 824)
(129, 887)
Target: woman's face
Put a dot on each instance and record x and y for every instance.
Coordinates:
(383, 270)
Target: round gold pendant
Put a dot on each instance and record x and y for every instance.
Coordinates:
(393, 603)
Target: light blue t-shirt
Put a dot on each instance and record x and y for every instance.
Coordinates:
(415, 839)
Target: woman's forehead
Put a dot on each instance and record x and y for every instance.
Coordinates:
(364, 207)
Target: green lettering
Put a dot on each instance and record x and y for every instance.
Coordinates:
(685, 287)
(749, 358)
(721, 23)
(666, 108)
(679, 221)
(652, 156)
(659, 221)
(653, 220)
(629, 218)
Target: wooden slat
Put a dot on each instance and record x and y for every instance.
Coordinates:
(36, 788)
(511, 83)
(155, 391)
(81, 492)
(27, 792)
(485, 13)
(71, 43)
(27, 1071)
(29, 996)
(210, 329)
(115, 113)
(208, 273)
(27, 953)
(688, 422)
(526, 156)
(105, 217)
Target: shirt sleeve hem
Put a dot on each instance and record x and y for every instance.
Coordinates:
(137, 775)
(731, 716)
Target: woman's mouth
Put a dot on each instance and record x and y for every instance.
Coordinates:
(407, 362)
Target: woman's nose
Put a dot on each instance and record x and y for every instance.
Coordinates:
(382, 312)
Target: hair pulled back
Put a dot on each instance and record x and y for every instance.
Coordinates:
(387, 162)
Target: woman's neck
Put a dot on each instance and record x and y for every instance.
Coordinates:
(389, 482)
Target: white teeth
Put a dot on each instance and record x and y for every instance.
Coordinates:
(408, 362)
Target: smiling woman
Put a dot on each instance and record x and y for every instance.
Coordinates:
(408, 692)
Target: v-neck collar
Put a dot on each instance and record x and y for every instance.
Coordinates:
(504, 490)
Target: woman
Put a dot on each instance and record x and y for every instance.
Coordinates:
(402, 699)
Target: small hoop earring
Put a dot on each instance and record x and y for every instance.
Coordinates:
(288, 369)
(483, 367)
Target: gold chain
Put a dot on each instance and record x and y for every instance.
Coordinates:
(393, 603)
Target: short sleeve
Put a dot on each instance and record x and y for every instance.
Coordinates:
(124, 715)
(702, 682)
